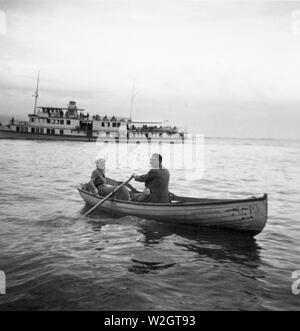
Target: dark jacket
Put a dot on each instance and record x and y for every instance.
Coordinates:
(98, 177)
(157, 180)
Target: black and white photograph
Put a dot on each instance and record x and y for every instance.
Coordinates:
(149, 158)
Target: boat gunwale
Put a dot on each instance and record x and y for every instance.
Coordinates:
(180, 204)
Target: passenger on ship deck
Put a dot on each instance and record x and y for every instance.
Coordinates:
(99, 183)
(156, 182)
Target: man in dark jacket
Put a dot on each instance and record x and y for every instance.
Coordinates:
(156, 182)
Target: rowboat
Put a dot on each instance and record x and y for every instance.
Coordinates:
(248, 216)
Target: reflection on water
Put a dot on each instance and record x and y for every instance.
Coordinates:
(215, 244)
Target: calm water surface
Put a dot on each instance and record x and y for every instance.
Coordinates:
(55, 260)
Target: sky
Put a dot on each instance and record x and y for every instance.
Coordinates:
(218, 68)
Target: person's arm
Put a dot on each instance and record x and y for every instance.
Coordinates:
(92, 182)
(145, 178)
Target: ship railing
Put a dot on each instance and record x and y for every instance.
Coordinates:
(154, 134)
(78, 117)
(158, 131)
(56, 116)
(19, 123)
(63, 116)
(42, 115)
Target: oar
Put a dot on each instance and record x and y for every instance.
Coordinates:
(114, 182)
(108, 196)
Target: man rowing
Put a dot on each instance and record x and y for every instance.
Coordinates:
(156, 182)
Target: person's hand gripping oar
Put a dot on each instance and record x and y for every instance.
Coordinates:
(108, 196)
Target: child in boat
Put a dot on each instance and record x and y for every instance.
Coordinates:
(99, 185)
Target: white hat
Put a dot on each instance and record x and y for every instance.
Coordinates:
(99, 159)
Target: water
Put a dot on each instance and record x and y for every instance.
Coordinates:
(55, 260)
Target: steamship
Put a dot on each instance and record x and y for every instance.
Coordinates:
(74, 124)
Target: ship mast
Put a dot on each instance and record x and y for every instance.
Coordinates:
(134, 94)
(36, 95)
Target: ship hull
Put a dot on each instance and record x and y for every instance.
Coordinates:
(9, 134)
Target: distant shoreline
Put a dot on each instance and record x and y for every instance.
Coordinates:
(238, 138)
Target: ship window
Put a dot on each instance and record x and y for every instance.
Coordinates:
(108, 124)
(48, 131)
(62, 122)
(68, 122)
(103, 124)
(114, 125)
(61, 132)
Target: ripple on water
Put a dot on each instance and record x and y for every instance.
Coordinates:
(53, 259)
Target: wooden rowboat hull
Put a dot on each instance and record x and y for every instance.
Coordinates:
(248, 215)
